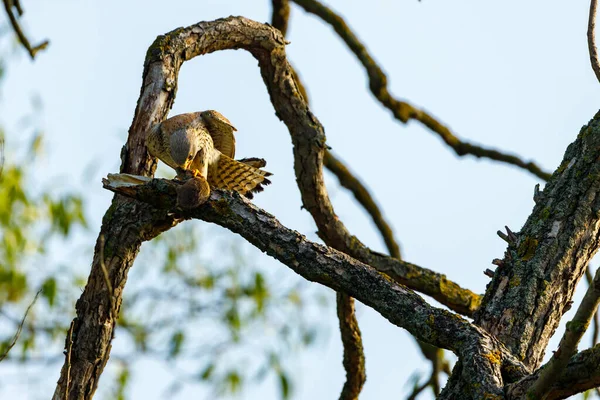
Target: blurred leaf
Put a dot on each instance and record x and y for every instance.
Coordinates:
(208, 372)
(176, 343)
(122, 381)
(284, 385)
(49, 290)
(233, 381)
(36, 144)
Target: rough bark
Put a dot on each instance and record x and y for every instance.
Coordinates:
(125, 225)
(538, 276)
(486, 362)
(534, 285)
(581, 374)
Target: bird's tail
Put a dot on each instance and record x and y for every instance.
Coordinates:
(234, 175)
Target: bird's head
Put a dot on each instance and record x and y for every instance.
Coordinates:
(215, 120)
(184, 147)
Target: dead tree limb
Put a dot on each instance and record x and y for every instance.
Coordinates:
(32, 50)
(402, 110)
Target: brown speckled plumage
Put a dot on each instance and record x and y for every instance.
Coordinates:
(209, 154)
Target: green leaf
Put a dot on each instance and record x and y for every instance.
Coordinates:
(176, 343)
(284, 385)
(122, 381)
(233, 381)
(49, 290)
(207, 372)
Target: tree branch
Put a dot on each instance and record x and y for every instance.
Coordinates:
(536, 279)
(593, 49)
(127, 224)
(8, 5)
(582, 373)
(485, 359)
(308, 138)
(402, 110)
(590, 278)
(364, 198)
(569, 342)
(354, 356)
(281, 15)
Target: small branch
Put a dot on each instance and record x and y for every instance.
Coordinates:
(593, 49)
(581, 374)
(364, 198)
(568, 344)
(8, 5)
(354, 356)
(68, 347)
(281, 15)
(402, 110)
(20, 327)
(595, 323)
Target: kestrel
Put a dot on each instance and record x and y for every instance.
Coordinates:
(203, 144)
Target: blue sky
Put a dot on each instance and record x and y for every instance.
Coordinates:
(512, 75)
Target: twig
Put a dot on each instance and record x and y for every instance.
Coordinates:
(593, 49)
(402, 110)
(416, 391)
(20, 328)
(68, 357)
(568, 344)
(595, 323)
(8, 5)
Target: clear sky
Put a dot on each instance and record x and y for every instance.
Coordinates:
(513, 75)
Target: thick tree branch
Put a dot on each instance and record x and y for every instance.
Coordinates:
(308, 138)
(535, 281)
(486, 361)
(8, 6)
(402, 110)
(581, 373)
(569, 342)
(593, 49)
(127, 224)
(354, 356)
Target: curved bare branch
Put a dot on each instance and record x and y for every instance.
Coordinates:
(402, 110)
(354, 356)
(593, 49)
(32, 50)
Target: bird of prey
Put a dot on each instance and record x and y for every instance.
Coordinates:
(203, 144)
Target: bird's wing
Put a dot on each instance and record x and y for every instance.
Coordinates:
(224, 141)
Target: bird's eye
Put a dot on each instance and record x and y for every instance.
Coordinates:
(189, 158)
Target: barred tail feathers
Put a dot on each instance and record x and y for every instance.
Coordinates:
(243, 178)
